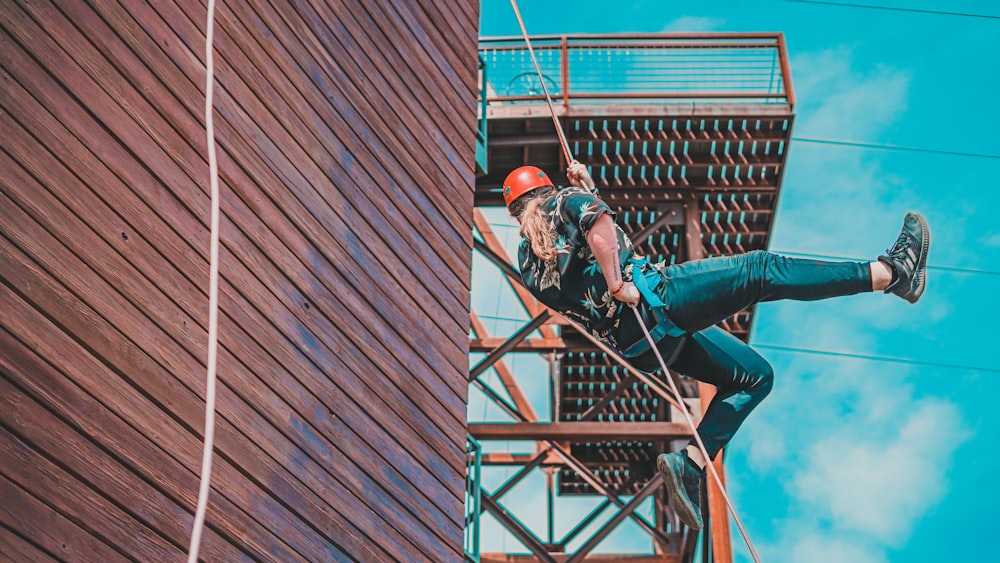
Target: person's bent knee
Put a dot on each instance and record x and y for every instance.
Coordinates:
(764, 382)
(758, 380)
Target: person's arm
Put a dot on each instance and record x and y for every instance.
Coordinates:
(603, 241)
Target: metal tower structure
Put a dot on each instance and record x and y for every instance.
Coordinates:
(686, 137)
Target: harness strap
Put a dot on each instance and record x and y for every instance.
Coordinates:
(664, 327)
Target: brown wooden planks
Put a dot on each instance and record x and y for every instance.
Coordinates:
(195, 306)
(123, 409)
(163, 348)
(85, 507)
(347, 242)
(29, 516)
(85, 458)
(15, 548)
(113, 239)
(314, 206)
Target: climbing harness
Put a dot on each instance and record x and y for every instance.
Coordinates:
(671, 339)
(213, 298)
(665, 329)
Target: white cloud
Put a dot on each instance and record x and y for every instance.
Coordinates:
(880, 485)
(694, 24)
(822, 547)
(855, 456)
(991, 240)
(844, 102)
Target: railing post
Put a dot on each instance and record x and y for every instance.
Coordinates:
(786, 72)
(565, 72)
(482, 163)
(473, 499)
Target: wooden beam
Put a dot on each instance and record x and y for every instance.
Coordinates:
(577, 431)
(722, 548)
(522, 333)
(507, 458)
(489, 343)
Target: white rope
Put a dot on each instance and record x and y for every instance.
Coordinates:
(697, 438)
(213, 296)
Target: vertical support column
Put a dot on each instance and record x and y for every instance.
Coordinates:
(692, 227)
(719, 516)
(565, 74)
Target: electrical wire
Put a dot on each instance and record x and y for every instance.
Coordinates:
(887, 359)
(213, 296)
(852, 259)
(895, 9)
(891, 147)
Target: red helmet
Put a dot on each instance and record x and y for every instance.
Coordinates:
(523, 180)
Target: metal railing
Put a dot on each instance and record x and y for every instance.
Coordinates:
(481, 131)
(641, 68)
(473, 499)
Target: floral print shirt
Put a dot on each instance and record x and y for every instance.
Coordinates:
(572, 283)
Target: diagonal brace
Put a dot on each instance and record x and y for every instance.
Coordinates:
(610, 525)
(509, 345)
(515, 527)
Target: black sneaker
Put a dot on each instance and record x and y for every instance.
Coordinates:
(683, 479)
(908, 258)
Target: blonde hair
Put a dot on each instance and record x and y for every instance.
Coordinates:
(535, 226)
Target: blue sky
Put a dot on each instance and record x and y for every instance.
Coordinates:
(853, 460)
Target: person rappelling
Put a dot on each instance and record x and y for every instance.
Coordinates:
(576, 260)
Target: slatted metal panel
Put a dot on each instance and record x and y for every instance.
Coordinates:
(346, 135)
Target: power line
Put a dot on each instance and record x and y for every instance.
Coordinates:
(929, 266)
(894, 9)
(891, 147)
(886, 359)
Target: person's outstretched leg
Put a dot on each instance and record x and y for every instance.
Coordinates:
(704, 292)
(701, 293)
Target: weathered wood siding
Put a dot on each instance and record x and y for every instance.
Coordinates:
(346, 149)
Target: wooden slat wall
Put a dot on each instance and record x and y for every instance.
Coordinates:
(346, 147)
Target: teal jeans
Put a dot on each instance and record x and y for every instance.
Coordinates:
(701, 293)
